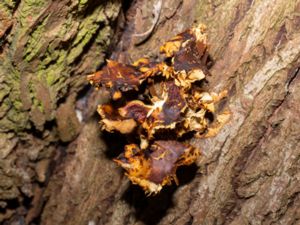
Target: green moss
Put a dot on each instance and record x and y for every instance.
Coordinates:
(66, 27)
(10, 92)
(15, 98)
(51, 77)
(35, 41)
(103, 37)
(14, 82)
(30, 9)
(14, 120)
(38, 104)
(17, 104)
(4, 91)
(9, 3)
(82, 4)
(18, 118)
(87, 30)
(4, 107)
(7, 6)
(52, 72)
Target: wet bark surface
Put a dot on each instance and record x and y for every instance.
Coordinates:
(247, 174)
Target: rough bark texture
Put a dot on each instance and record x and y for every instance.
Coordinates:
(46, 49)
(248, 174)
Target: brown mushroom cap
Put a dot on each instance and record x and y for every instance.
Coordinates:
(169, 100)
(155, 167)
(112, 121)
(117, 78)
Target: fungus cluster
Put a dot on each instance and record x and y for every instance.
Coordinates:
(160, 104)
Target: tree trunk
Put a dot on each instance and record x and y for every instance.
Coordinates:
(56, 165)
(46, 49)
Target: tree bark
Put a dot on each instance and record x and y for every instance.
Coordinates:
(46, 49)
(247, 174)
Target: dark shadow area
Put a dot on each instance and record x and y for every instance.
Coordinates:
(18, 217)
(39, 133)
(10, 204)
(126, 5)
(210, 62)
(150, 210)
(115, 143)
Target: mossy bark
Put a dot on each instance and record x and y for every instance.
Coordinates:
(247, 174)
(46, 49)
